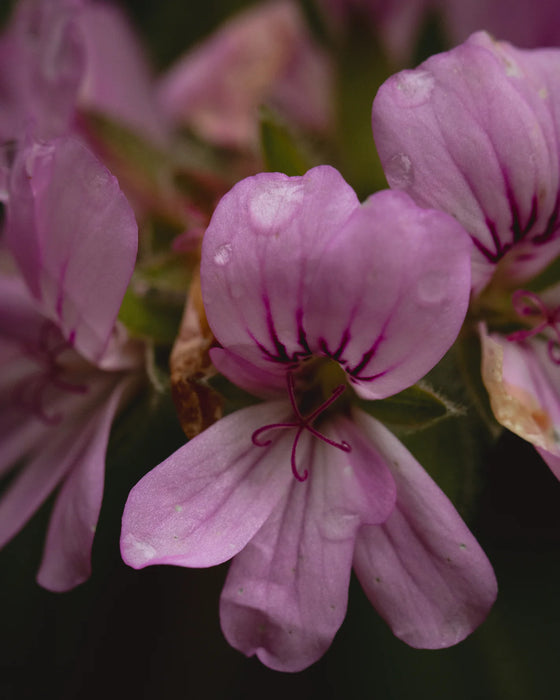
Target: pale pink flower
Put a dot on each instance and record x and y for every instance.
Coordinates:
(66, 366)
(264, 55)
(475, 132)
(317, 300)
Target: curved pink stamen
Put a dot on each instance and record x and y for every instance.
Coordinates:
(303, 423)
(526, 304)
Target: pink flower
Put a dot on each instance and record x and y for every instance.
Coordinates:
(526, 23)
(317, 300)
(475, 132)
(63, 55)
(263, 55)
(66, 366)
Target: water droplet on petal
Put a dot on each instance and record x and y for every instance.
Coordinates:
(399, 171)
(415, 86)
(274, 205)
(432, 287)
(222, 254)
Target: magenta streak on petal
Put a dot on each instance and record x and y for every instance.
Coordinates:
(29, 394)
(303, 423)
(528, 304)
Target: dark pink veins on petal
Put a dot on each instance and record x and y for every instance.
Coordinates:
(31, 393)
(529, 305)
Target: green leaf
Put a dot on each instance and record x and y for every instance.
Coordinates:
(281, 152)
(547, 278)
(149, 315)
(411, 409)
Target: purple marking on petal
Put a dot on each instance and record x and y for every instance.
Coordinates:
(29, 394)
(551, 226)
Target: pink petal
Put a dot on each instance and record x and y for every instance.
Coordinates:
(270, 255)
(52, 460)
(117, 78)
(524, 389)
(422, 569)
(43, 50)
(286, 592)
(264, 54)
(74, 237)
(67, 555)
(264, 382)
(480, 103)
(205, 502)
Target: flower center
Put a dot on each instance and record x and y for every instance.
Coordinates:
(31, 392)
(301, 424)
(529, 305)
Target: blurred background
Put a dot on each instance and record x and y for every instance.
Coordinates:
(155, 634)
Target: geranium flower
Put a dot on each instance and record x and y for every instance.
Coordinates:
(65, 55)
(66, 366)
(317, 300)
(264, 55)
(475, 132)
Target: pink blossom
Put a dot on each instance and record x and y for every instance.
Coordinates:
(265, 55)
(65, 55)
(475, 132)
(317, 300)
(66, 366)
(526, 23)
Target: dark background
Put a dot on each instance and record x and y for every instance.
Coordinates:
(155, 633)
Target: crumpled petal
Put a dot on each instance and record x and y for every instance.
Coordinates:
(524, 389)
(475, 132)
(67, 555)
(422, 569)
(74, 236)
(270, 255)
(285, 595)
(206, 501)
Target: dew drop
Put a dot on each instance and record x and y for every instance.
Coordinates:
(399, 171)
(274, 205)
(415, 86)
(222, 254)
(432, 287)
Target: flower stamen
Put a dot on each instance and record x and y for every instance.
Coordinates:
(302, 423)
(528, 304)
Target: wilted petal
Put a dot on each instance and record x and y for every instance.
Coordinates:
(286, 592)
(273, 248)
(524, 389)
(474, 132)
(204, 503)
(74, 237)
(67, 555)
(422, 569)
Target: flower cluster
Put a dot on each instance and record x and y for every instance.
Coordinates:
(309, 314)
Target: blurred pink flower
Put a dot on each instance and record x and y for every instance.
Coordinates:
(264, 55)
(63, 55)
(526, 23)
(315, 300)
(66, 366)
